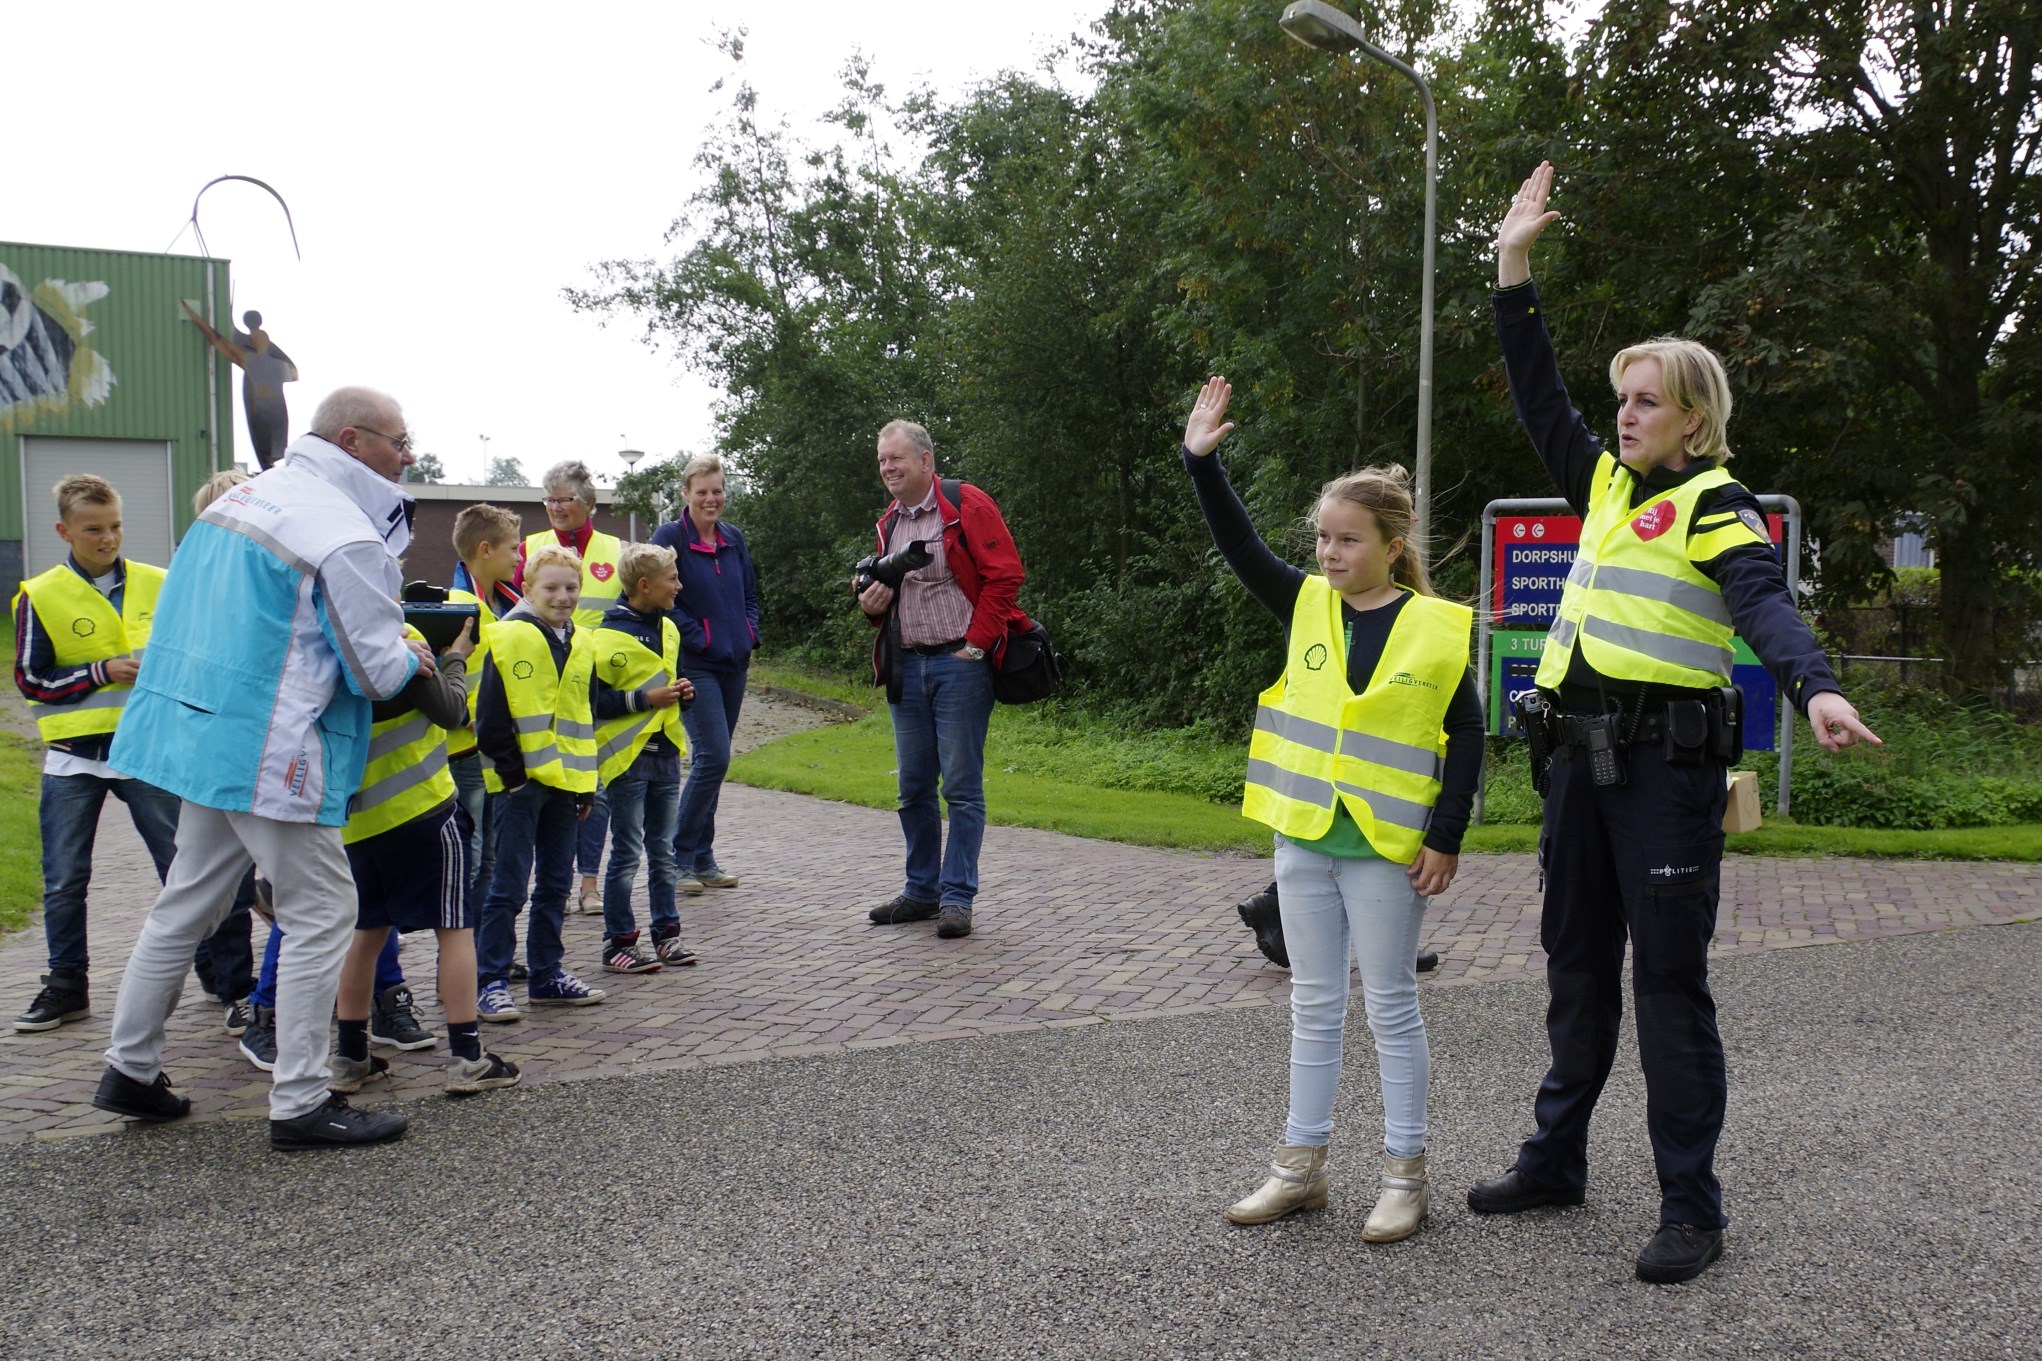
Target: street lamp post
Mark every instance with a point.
(1319, 25)
(485, 458)
(631, 457)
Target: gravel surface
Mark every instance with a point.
(1058, 1194)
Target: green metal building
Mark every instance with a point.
(101, 372)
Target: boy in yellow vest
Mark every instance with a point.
(79, 631)
(638, 696)
(486, 538)
(538, 736)
(407, 843)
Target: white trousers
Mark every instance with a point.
(315, 905)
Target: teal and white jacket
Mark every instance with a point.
(276, 628)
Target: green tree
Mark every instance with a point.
(427, 470)
(506, 472)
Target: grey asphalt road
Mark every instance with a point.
(1059, 1194)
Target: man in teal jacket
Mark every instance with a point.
(277, 627)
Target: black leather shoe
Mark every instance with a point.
(153, 1102)
(1513, 1192)
(1679, 1252)
(901, 909)
(1428, 960)
(954, 921)
(1261, 915)
(63, 999)
(335, 1125)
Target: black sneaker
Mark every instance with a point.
(519, 973)
(393, 1021)
(465, 1077)
(259, 1041)
(1679, 1252)
(900, 910)
(152, 1102)
(347, 1075)
(335, 1125)
(1428, 960)
(953, 921)
(1261, 915)
(238, 1017)
(62, 1001)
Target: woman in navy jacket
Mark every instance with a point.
(718, 615)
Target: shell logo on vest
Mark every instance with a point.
(618, 661)
(601, 571)
(84, 628)
(522, 670)
(1315, 656)
(1655, 521)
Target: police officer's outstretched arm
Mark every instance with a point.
(1836, 722)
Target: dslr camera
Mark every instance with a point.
(891, 568)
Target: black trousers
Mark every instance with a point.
(1640, 860)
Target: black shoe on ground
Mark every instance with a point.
(518, 973)
(900, 910)
(152, 1102)
(259, 1042)
(953, 921)
(62, 1000)
(393, 1021)
(1428, 960)
(335, 1125)
(1679, 1252)
(238, 1017)
(1513, 1192)
(1261, 915)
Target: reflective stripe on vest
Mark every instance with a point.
(83, 627)
(549, 709)
(600, 587)
(407, 775)
(623, 663)
(1634, 602)
(1381, 752)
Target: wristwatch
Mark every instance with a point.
(977, 654)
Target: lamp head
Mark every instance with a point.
(1317, 24)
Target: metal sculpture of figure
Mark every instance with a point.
(265, 368)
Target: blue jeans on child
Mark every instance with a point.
(536, 828)
(70, 822)
(642, 814)
(594, 831)
(476, 801)
(1332, 908)
(710, 719)
(939, 730)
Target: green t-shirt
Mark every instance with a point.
(1343, 840)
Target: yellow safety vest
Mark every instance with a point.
(1635, 603)
(624, 663)
(1381, 752)
(461, 741)
(550, 709)
(600, 588)
(407, 775)
(83, 628)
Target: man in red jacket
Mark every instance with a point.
(940, 635)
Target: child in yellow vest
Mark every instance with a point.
(536, 731)
(486, 539)
(638, 696)
(79, 632)
(407, 842)
(1365, 760)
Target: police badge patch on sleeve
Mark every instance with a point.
(1755, 522)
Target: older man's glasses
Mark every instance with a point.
(402, 443)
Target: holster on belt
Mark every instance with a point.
(1539, 722)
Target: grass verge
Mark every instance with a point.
(21, 868)
(1165, 789)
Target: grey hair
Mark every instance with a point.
(356, 406)
(911, 432)
(574, 475)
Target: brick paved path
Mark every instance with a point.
(1069, 932)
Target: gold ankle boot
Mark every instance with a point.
(1401, 1207)
(1297, 1181)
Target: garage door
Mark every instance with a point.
(138, 469)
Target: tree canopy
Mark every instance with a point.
(1841, 197)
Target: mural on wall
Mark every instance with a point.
(47, 363)
(265, 368)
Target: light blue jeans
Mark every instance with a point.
(1330, 907)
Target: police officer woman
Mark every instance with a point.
(1365, 759)
(1674, 558)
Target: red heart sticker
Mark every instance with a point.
(603, 571)
(1655, 521)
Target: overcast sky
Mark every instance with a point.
(450, 167)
